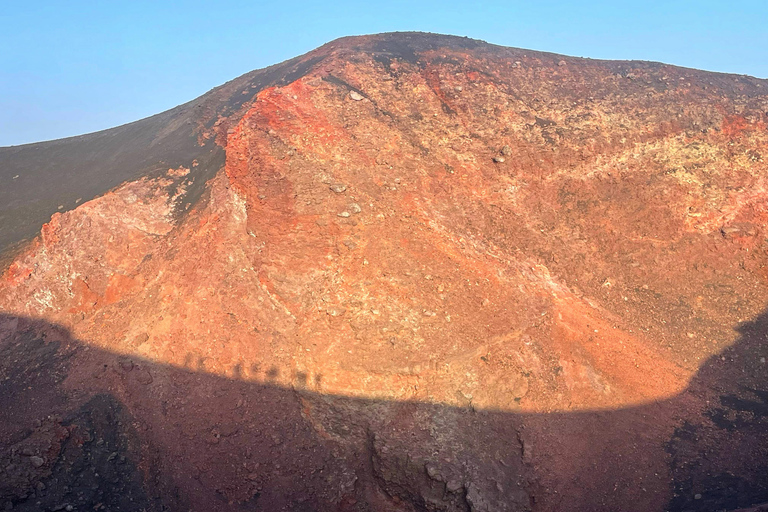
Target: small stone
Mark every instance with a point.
(69, 508)
(40, 486)
(335, 311)
(697, 497)
(355, 95)
(262, 196)
(36, 461)
(61, 207)
(499, 159)
(762, 360)
(355, 208)
(338, 188)
(343, 214)
(15, 177)
(561, 63)
(506, 150)
(458, 88)
(453, 486)
(144, 377)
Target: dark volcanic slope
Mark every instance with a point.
(427, 273)
(37, 180)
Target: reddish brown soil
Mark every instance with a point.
(433, 274)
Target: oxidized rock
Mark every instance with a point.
(580, 305)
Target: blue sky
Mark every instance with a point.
(74, 67)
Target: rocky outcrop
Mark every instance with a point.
(429, 274)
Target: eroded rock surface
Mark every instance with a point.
(431, 274)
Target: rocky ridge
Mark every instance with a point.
(429, 274)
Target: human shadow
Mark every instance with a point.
(86, 429)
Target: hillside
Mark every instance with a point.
(401, 272)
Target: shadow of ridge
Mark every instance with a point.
(89, 429)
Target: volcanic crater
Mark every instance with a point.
(402, 272)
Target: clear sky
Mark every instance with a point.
(72, 67)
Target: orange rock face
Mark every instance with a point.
(433, 274)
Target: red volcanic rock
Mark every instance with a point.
(431, 274)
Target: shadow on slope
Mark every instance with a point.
(93, 430)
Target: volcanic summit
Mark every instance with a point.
(402, 272)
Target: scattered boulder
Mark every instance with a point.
(354, 95)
